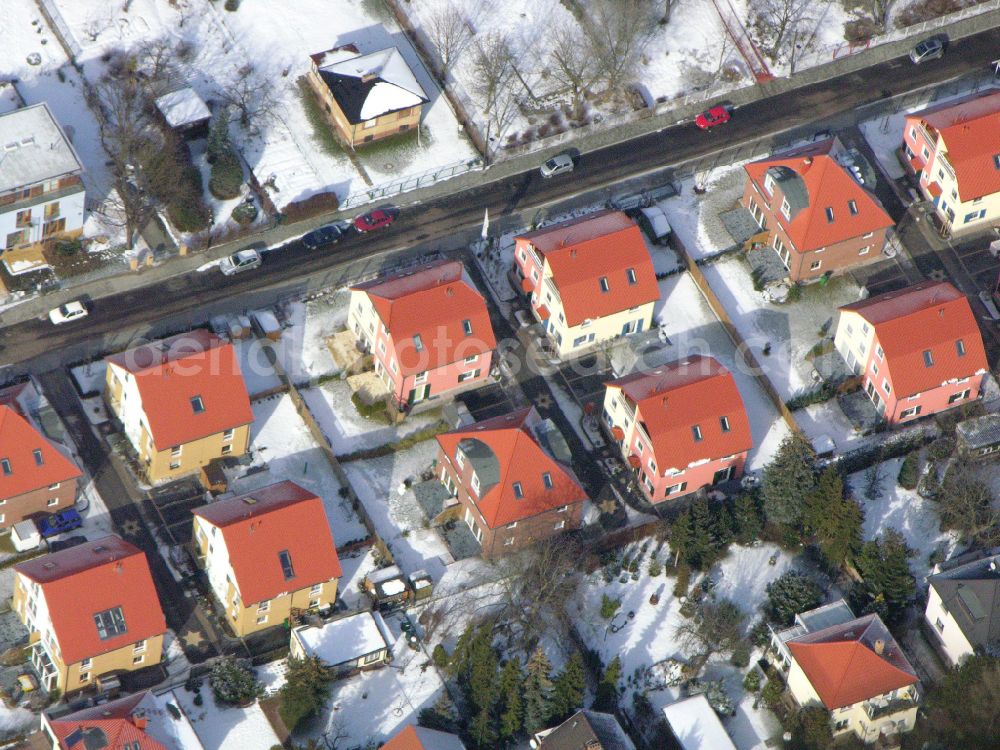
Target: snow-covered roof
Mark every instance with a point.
(696, 726)
(343, 640)
(33, 148)
(183, 107)
(366, 86)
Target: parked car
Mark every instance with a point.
(68, 313)
(717, 115)
(241, 260)
(558, 164)
(929, 49)
(58, 523)
(325, 235)
(377, 219)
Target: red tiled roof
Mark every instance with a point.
(171, 372)
(508, 441)
(581, 251)
(826, 185)
(926, 316)
(93, 577)
(968, 128)
(421, 738)
(18, 443)
(115, 719)
(259, 525)
(432, 302)
(843, 666)
(672, 399)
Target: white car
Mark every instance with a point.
(68, 313)
(241, 260)
(558, 164)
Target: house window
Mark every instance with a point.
(316, 590)
(630, 275)
(886, 386)
(421, 377)
(547, 480)
(674, 489)
(459, 457)
(786, 208)
(829, 215)
(852, 206)
(605, 287)
(52, 501)
(313, 603)
(197, 405)
(559, 525)
(264, 606)
(139, 646)
(769, 183)
(372, 658)
(960, 396)
(913, 133)
(518, 490)
(874, 368)
(226, 450)
(928, 358)
(974, 216)
(512, 525)
(508, 542)
(51, 487)
(381, 347)
(522, 255)
(468, 375)
(639, 447)
(865, 250)
(84, 676)
(475, 483)
(85, 664)
(696, 431)
(960, 347)
(467, 327)
(996, 161)
(579, 341)
(724, 423)
(562, 509)
(418, 342)
(392, 366)
(23, 218)
(110, 623)
(16, 238)
(286, 564)
(175, 451)
(911, 412)
(469, 360)
(880, 352)
(652, 465)
(174, 465)
(228, 434)
(815, 265)
(262, 619)
(138, 659)
(368, 124)
(39, 459)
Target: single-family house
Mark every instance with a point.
(344, 646)
(413, 737)
(181, 402)
(952, 150)
(367, 97)
(584, 730)
(852, 667)
(918, 350)
(91, 610)
(963, 608)
(513, 478)
(269, 555)
(815, 208)
(696, 726)
(680, 427)
(36, 476)
(142, 721)
(41, 193)
(978, 438)
(428, 330)
(588, 280)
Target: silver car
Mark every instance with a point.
(558, 164)
(929, 49)
(241, 260)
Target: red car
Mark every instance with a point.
(377, 219)
(717, 115)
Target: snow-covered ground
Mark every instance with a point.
(282, 448)
(302, 349)
(396, 515)
(224, 727)
(14, 721)
(90, 377)
(692, 328)
(904, 510)
(258, 373)
(331, 406)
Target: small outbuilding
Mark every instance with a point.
(185, 112)
(352, 643)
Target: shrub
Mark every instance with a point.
(941, 448)
(909, 472)
(772, 692)
(751, 683)
(315, 205)
(305, 691)
(375, 412)
(440, 656)
(791, 594)
(69, 248)
(232, 5)
(609, 606)
(227, 177)
(245, 213)
(655, 568)
(233, 682)
(683, 578)
(741, 655)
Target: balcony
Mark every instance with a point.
(879, 708)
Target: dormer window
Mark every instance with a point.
(696, 431)
(960, 347)
(467, 327)
(630, 275)
(418, 342)
(518, 490)
(547, 480)
(829, 215)
(605, 287)
(852, 206)
(40, 460)
(928, 358)
(197, 405)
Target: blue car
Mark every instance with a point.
(57, 523)
(325, 235)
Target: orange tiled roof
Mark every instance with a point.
(968, 128)
(259, 525)
(581, 251)
(431, 302)
(29, 470)
(843, 665)
(825, 184)
(172, 372)
(672, 399)
(89, 578)
(421, 738)
(115, 720)
(512, 454)
(929, 316)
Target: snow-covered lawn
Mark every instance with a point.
(695, 219)
(355, 566)
(396, 515)
(258, 373)
(90, 377)
(693, 328)
(302, 349)
(331, 406)
(223, 727)
(904, 510)
(282, 448)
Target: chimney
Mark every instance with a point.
(665, 399)
(119, 567)
(807, 161)
(368, 77)
(879, 646)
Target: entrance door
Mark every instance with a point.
(723, 475)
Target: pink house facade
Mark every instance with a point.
(680, 427)
(918, 350)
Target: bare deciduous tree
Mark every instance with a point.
(717, 627)
(572, 64)
(777, 20)
(668, 10)
(494, 75)
(880, 10)
(157, 62)
(619, 31)
(449, 32)
(252, 97)
(98, 22)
